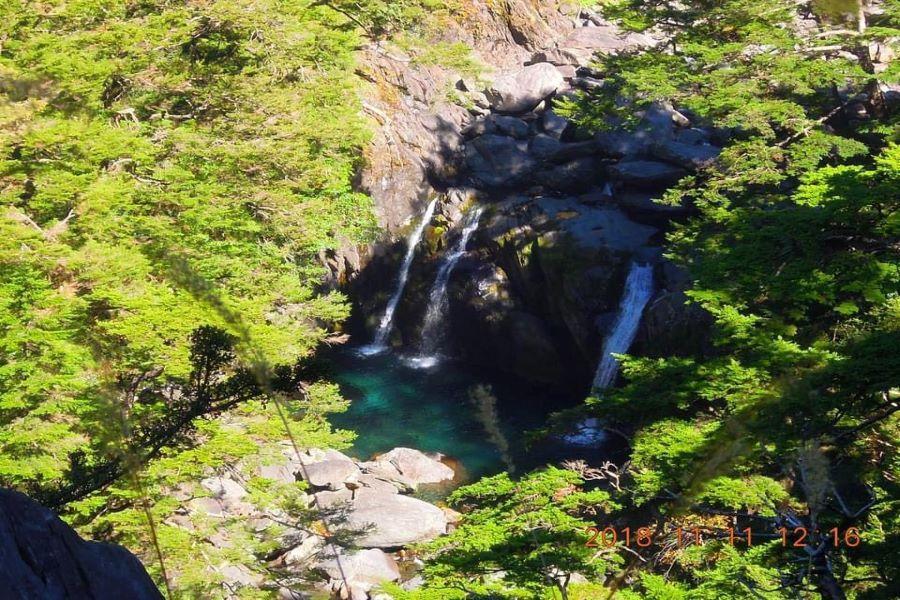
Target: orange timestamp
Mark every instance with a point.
(644, 537)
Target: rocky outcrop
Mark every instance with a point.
(42, 557)
(567, 210)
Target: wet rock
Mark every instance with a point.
(646, 173)
(522, 90)
(44, 558)
(576, 176)
(499, 161)
(689, 156)
(392, 520)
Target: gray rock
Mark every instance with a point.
(555, 56)
(567, 71)
(522, 90)
(228, 491)
(329, 499)
(576, 176)
(588, 84)
(362, 569)
(619, 144)
(646, 173)
(511, 126)
(498, 161)
(689, 156)
(42, 557)
(282, 473)
(543, 146)
(302, 553)
(498, 124)
(693, 135)
(378, 484)
(553, 124)
(392, 520)
(643, 202)
(331, 474)
(417, 467)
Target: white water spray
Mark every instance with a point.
(379, 344)
(437, 297)
(638, 290)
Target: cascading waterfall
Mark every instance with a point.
(379, 344)
(638, 290)
(437, 297)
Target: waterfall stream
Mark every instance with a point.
(437, 298)
(379, 344)
(638, 290)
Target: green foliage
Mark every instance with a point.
(519, 539)
(793, 252)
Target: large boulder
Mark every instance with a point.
(388, 520)
(42, 557)
(646, 174)
(361, 570)
(522, 90)
(415, 467)
(328, 469)
(498, 161)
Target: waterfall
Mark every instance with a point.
(437, 297)
(638, 290)
(379, 344)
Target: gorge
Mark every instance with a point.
(417, 300)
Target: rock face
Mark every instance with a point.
(42, 557)
(522, 90)
(567, 211)
(363, 570)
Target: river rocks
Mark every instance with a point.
(392, 520)
(42, 557)
(413, 467)
(523, 90)
(646, 173)
(329, 469)
(362, 570)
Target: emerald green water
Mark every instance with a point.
(476, 418)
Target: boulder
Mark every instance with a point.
(576, 176)
(619, 144)
(282, 473)
(499, 161)
(302, 553)
(689, 156)
(523, 90)
(543, 146)
(646, 173)
(42, 557)
(362, 570)
(391, 520)
(417, 467)
(328, 469)
(498, 124)
(553, 124)
(226, 490)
